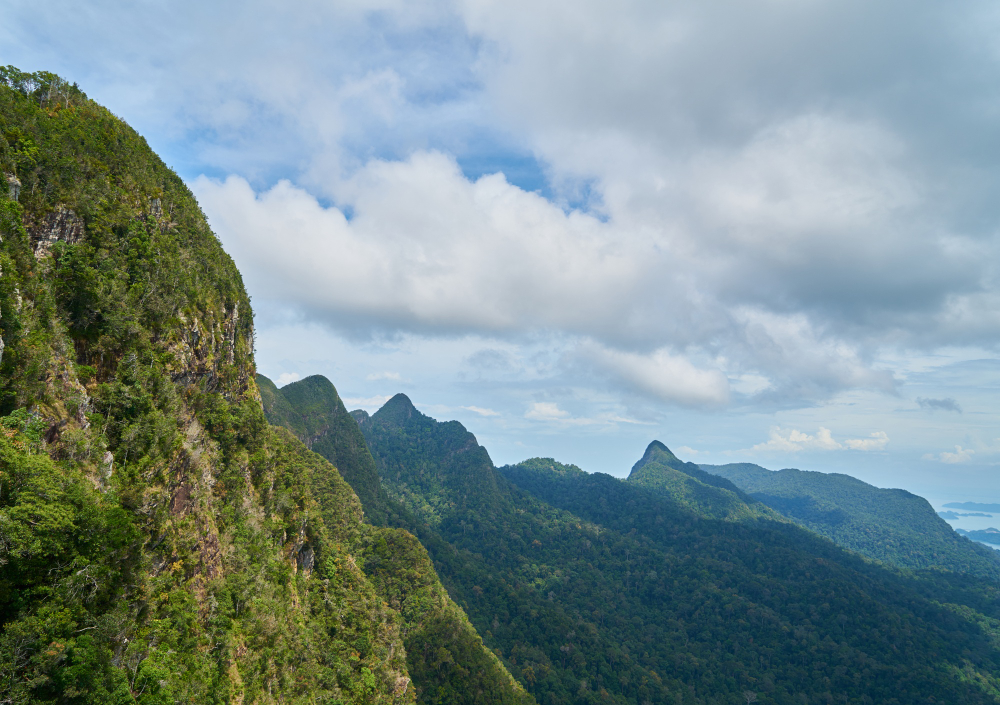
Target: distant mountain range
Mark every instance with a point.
(990, 536)
(674, 585)
(958, 515)
(974, 506)
(892, 526)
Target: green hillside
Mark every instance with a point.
(691, 487)
(312, 410)
(892, 526)
(990, 536)
(159, 541)
(444, 653)
(593, 589)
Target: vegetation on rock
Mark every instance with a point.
(159, 542)
(313, 411)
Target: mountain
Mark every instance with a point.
(691, 487)
(990, 536)
(313, 411)
(445, 655)
(594, 589)
(892, 526)
(160, 542)
(980, 506)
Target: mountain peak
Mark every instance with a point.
(659, 453)
(313, 381)
(397, 411)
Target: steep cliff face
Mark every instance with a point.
(159, 541)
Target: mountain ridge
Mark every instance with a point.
(662, 471)
(628, 552)
(445, 654)
(889, 525)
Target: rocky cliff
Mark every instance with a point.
(159, 541)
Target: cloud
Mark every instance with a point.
(546, 411)
(878, 441)
(481, 411)
(947, 404)
(735, 192)
(662, 375)
(376, 376)
(793, 441)
(961, 455)
(372, 403)
(551, 413)
(287, 378)
(431, 252)
(428, 251)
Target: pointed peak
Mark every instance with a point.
(655, 446)
(312, 382)
(400, 401)
(265, 382)
(314, 396)
(657, 452)
(397, 411)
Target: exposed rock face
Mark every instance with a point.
(61, 225)
(14, 186)
(205, 345)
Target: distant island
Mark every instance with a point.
(949, 515)
(974, 506)
(991, 535)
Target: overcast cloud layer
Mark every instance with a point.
(739, 208)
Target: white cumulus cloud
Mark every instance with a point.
(877, 441)
(793, 440)
(961, 455)
(287, 378)
(371, 404)
(481, 411)
(546, 411)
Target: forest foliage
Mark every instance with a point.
(445, 655)
(889, 525)
(594, 589)
(160, 542)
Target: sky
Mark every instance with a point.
(758, 231)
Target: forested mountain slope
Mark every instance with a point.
(159, 541)
(598, 590)
(893, 526)
(990, 536)
(445, 655)
(312, 410)
(691, 487)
